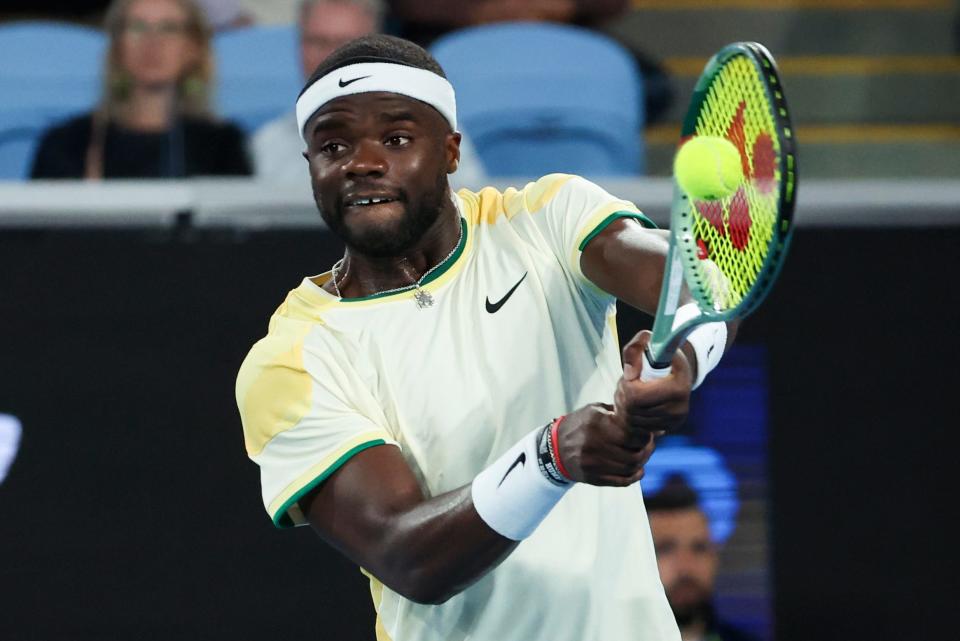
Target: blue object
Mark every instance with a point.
(538, 98)
(704, 470)
(48, 72)
(258, 73)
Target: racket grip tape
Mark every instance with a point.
(651, 373)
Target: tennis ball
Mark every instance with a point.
(708, 168)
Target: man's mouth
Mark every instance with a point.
(366, 202)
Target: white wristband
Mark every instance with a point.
(708, 341)
(512, 495)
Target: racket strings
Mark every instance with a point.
(736, 233)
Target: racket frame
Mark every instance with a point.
(682, 256)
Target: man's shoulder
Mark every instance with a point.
(489, 204)
(299, 315)
(297, 348)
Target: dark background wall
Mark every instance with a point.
(133, 513)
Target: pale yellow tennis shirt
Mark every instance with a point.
(516, 337)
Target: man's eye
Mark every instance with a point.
(331, 148)
(397, 140)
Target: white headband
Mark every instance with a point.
(364, 77)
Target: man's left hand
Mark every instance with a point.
(655, 406)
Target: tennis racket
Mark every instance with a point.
(728, 251)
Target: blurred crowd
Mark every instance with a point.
(154, 116)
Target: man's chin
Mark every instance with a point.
(380, 215)
(381, 240)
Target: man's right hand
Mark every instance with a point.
(597, 447)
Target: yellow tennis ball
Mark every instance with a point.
(708, 168)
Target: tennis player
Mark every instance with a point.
(446, 406)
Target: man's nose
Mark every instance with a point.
(367, 159)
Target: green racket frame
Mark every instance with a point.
(682, 257)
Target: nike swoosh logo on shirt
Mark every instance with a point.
(520, 461)
(493, 308)
(344, 83)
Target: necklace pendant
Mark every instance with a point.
(423, 298)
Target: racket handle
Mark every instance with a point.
(651, 373)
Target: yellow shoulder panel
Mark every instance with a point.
(488, 204)
(273, 388)
(483, 206)
(536, 195)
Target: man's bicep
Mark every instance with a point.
(353, 508)
(627, 261)
(571, 212)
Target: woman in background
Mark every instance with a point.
(154, 119)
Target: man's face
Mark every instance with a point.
(326, 26)
(378, 165)
(687, 559)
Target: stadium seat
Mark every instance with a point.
(538, 98)
(258, 72)
(48, 72)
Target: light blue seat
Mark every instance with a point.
(48, 72)
(20, 134)
(538, 98)
(258, 73)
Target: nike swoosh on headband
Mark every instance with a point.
(344, 83)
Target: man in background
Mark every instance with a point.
(324, 26)
(687, 558)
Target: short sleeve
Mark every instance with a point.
(300, 420)
(570, 211)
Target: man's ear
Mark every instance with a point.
(452, 144)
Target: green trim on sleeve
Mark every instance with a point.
(646, 222)
(282, 520)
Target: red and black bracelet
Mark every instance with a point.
(555, 447)
(548, 454)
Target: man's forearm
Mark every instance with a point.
(438, 548)
(425, 549)
(628, 262)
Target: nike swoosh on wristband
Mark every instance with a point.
(344, 83)
(520, 461)
(493, 308)
(712, 345)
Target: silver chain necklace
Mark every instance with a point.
(422, 297)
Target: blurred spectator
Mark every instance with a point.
(222, 15)
(423, 21)
(272, 11)
(325, 25)
(688, 558)
(154, 118)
